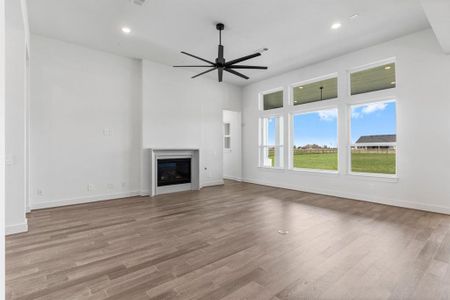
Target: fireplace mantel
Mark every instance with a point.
(167, 153)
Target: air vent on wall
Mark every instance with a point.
(139, 2)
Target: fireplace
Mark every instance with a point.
(172, 171)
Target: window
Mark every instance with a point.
(314, 138)
(373, 79)
(226, 136)
(272, 100)
(315, 91)
(271, 142)
(374, 138)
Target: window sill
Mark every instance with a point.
(375, 176)
(272, 168)
(314, 171)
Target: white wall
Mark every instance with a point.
(423, 102)
(2, 149)
(85, 124)
(16, 43)
(180, 112)
(232, 158)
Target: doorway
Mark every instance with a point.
(232, 145)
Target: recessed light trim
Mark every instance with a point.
(126, 30)
(336, 25)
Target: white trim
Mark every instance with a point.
(212, 183)
(351, 196)
(232, 178)
(16, 228)
(82, 200)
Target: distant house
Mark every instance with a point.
(381, 141)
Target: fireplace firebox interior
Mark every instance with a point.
(174, 171)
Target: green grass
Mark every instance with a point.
(320, 161)
(382, 163)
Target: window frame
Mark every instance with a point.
(349, 141)
(296, 112)
(391, 60)
(292, 86)
(343, 104)
(281, 145)
(225, 136)
(261, 100)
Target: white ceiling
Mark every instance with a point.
(297, 32)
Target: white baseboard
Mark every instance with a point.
(367, 198)
(16, 228)
(144, 193)
(81, 200)
(212, 183)
(232, 178)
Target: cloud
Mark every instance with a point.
(373, 107)
(328, 115)
(359, 112)
(355, 114)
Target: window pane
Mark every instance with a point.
(373, 137)
(271, 131)
(315, 140)
(226, 128)
(373, 79)
(316, 91)
(273, 100)
(272, 157)
(227, 142)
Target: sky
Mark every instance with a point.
(372, 119)
(321, 127)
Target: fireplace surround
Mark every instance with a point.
(174, 170)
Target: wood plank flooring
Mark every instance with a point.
(223, 243)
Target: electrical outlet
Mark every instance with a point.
(90, 187)
(39, 192)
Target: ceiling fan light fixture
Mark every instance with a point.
(221, 64)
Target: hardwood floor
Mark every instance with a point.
(223, 243)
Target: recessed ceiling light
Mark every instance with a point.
(392, 82)
(336, 25)
(387, 67)
(353, 17)
(126, 30)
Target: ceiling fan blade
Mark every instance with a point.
(247, 67)
(236, 73)
(208, 66)
(202, 59)
(212, 69)
(220, 74)
(238, 60)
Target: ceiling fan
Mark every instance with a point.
(221, 64)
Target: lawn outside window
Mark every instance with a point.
(314, 137)
(373, 139)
